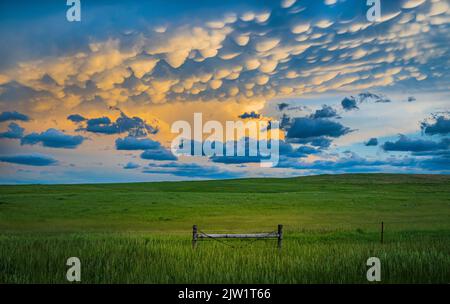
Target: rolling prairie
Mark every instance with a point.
(141, 232)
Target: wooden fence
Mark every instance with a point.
(197, 234)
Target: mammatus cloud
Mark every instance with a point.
(278, 51)
(259, 53)
(34, 159)
(53, 138)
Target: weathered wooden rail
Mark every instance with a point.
(196, 235)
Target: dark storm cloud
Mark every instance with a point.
(439, 162)
(440, 124)
(76, 118)
(236, 159)
(320, 141)
(406, 144)
(101, 125)
(190, 170)
(133, 143)
(135, 126)
(349, 104)
(282, 106)
(349, 162)
(372, 142)
(54, 139)
(158, 154)
(302, 128)
(251, 115)
(372, 97)
(304, 151)
(325, 112)
(14, 131)
(131, 165)
(153, 149)
(5, 116)
(286, 150)
(34, 159)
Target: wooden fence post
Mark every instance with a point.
(382, 232)
(280, 235)
(194, 236)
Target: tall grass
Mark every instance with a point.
(305, 258)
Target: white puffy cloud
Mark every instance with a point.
(412, 3)
(324, 23)
(262, 17)
(287, 3)
(248, 16)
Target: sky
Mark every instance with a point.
(94, 101)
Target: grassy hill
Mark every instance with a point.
(140, 232)
(305, 203)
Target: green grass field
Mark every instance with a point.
(141, 233)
